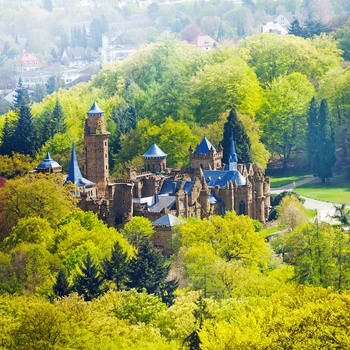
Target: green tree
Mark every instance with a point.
(296, 29)
(326, 147)
(138, 307)
(39, 93)
(61, 288)
(312, 135)
(116, 268)
(7, 145)
(226, 85)
(24, 137)
(22, 96)
(59, 125)
(54, 83)
(98, 26)
(283, 115)
(290, 212)
(234, 126)
(148, 270)
(89, 282)
(35, 195)
(201, 313)
(310, 251)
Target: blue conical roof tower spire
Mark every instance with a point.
(74, 173)
(233, 159)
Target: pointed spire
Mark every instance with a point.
(95, 110)
(74, 173)
(233, 159)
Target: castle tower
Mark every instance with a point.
(96, 146)
(154, 159)
(205, 156)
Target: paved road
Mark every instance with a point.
(325, 210)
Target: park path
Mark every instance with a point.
(325, 210)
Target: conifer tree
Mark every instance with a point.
(22, 96)
(148, 270)
(24, 138)
(242, 141)
(61, 288)
(59, 125)
(89, 282)
(326, 147)
(312, 135)
(115, 268)
(7, 144)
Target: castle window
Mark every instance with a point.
(241, 208)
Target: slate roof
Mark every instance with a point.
(95, 109)
(168, 220)
(188, 187)
(221, 177)
(154, 152)
(170, 187)
(74, 174)
(163, 202)
(204, 147)
(48, 163)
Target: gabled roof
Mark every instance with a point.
(48, 163)
(168, 220)
(221, 177)
(27, 57)
(74, 174)
(95, 109)
(154, 152)
(75, 53)
(204, 147)
(203, 41)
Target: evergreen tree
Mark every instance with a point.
(24, 138)
(39, 93)
(200, 314)
(242, 141)
(53, 84)
(148, 270)
(84, 39)
(7, 145)
(312, 135)
(22, 96)
(98, 26)
(59, 125)
(115, 268)
(326, 147)
(61, 288)
(89, 282)
(297, 30)
(46, 130)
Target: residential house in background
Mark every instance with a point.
(28, 62)
(204, 42)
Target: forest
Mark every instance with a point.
(67, 281)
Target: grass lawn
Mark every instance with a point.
(282, 177)
(335, 192)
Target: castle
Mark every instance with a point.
(206, 188)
